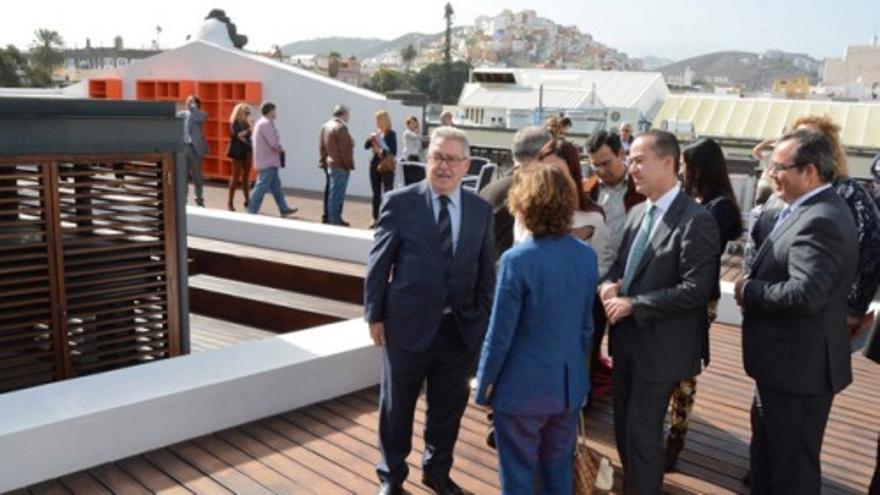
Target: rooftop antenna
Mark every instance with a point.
(156, 41)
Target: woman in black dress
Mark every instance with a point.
(240, 151)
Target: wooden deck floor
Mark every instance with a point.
(330, 448)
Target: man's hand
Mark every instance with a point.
(618, 308)
(859, 324)
(609, 290)
(738, 290)
(377, 333)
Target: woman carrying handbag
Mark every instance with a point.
(383, 143)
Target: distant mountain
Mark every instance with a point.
(754, 72)
(652, 63)
(359, 47)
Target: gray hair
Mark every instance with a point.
(340, 110)
(527, 143)
(448, 132)
(813, 147)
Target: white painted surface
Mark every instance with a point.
(728, 311)
(54, 429)
(316, 239)
(305, 101)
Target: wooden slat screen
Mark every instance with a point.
(116, 297)
(27, 332)
(87, 267)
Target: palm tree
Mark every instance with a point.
(46, 49)
(408, 54)
(447, 45)
(333, 64)
(447, 55)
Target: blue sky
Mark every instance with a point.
(672, 29)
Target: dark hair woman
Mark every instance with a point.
(705, 178)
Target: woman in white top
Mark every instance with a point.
(588, 223)
(412, 140)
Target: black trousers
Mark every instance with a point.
(639, 409)
(445, 367)
(381, 183)
(787, 435)
(326, 192)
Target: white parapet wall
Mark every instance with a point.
(728, 311)
(63, 427)
(329, 241)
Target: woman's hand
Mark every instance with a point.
(584, 233)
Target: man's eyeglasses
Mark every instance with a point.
(447, 159)
(780, 167)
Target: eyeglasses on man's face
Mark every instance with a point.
(781, 167)
(450, 160)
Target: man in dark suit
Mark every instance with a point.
(872, 352)
(527, 143)
(795, 339)
(655, 297)
(428, 293)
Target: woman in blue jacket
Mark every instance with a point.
(533, 371)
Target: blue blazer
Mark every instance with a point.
(406, 286)
(534, 358)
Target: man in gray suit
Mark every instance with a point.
(795, 339)
(196, 147)
(656, 298)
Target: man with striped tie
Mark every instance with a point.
(427, 296)
(655, 296)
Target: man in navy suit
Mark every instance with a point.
(427, 296)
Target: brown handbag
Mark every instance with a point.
(387, 164)
(586, 466)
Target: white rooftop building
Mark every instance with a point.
(524, 93)
(304, 99)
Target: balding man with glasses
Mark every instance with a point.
(795, 338)
(428, 293)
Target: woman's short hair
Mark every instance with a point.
(824, 124)
(411, 118)
(544, 197)
(385, 119)
(239, 113)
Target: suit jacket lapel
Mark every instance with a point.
(667, 222)
(787, 224)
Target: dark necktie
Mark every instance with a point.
(444, 229)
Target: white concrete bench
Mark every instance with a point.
(316, 239)
(54, 429)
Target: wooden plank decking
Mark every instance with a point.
(331, 447)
